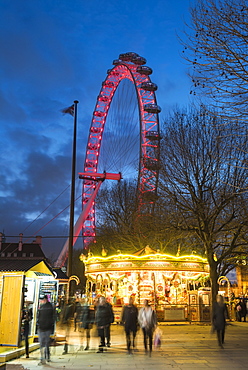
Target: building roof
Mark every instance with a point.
(26, 250)
(24, 256)
(61, 275)
(11, 264)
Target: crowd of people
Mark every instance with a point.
(101, 314)
(79, 315)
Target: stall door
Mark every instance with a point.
(10, 311)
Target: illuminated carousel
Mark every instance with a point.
(166, 281)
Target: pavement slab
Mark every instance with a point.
(184, 347)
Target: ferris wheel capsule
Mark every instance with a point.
(153, 135)
(127, 57)
(152, 108)
(139, 60)
(149, 86)
(144, 70)
(116, 62)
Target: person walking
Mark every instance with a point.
(27, 317)
(238, 308)
(130, 321)
(148, 321)
(87, 320)
(243, 310)
(77, 313)
(107, 328)
(45, 321)
(68, 314)
(220, 313)
(104, 317)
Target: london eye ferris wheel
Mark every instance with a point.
(124, 135)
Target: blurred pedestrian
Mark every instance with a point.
(27, 317)
(67, 315)
(220, 313)
(104, 317)
(87, 320)
(107, 328)
(148, 321)
(241, 310)
(57, 312)
(238, 309)
(45, 321)
(77, 313)
(130, 321)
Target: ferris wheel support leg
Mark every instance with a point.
(85, 212)
(78, 226)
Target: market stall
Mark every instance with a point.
(21, 284)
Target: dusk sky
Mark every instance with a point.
(52, 53)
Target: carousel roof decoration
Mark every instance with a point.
(146, 258)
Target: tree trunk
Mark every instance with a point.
(213, 279)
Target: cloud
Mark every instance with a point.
(53, 52)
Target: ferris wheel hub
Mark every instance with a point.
(100, 176)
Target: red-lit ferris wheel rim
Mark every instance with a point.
(129, 66)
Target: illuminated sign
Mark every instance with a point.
(157, 264)
(121, 264)
(190, 265)
(95, 266)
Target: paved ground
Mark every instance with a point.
(183, 347)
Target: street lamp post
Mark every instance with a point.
(224, 278)
(73, 171)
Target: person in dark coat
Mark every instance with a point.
(45, 321)
(130, 321)
(220, 313)
(27, 317)
(243, 309)
(238, 309)
(87, 320)
(104, 317)
(107, 328)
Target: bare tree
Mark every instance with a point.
(217, 46)
(116, 205)
(121, 227)
(117, 218)
(204, 183)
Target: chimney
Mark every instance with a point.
(20, 242)
(1, 239)
(38, 240)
